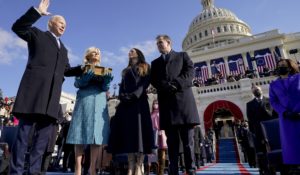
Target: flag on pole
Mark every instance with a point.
(221, 69)
(266, 60)
(236, 67)
(201, 74)
(204, 72)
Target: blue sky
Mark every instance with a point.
(115, 26)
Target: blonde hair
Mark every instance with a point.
(143, 69)
(88, 52)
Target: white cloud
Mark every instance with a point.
(121, 58)
(11, 47)
(73, 58)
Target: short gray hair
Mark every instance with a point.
(53, 18)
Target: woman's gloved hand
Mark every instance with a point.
(86, 77)
(107, 78)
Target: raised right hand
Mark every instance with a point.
(43, 7)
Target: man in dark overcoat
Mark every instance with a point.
(37, 102)
(172, 74)
(258, 110)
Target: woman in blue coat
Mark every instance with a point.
(285, 99)
(90, 120)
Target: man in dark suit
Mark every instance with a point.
(258, 110)
(37, 102)
(172, 74)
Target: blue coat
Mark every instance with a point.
(90, 120)
(285, 95)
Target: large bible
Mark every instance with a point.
(98, 70)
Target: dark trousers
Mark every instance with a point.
(251, 157)
(32, 134)
(69, 157)
(186, 134)
(198, 160)
(46, 162)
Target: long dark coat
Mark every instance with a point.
(179, 108)
(40, 88)
(256, 113)
(131, 127)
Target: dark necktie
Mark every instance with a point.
(166, 57)
(259, 101)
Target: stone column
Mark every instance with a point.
(226, 66)
(272, 49)
(244, 55)
(209, 68)
(254, 63)
(282, 51)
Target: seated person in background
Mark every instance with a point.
(231, 78)
(4, 159)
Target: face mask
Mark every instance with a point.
(283, 70)
(257, 93)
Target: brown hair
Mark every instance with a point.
(143, 67)
(164, 37)
(291, 64)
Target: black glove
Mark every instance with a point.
(175, 84)
(170, 87)
(291, 115)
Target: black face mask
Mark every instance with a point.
(256, 93)
(283, 70)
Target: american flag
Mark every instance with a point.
(236, 67)
(204, 72)
(201, 74)
(266, 60)
(219, 68)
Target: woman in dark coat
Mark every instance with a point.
(131, 129)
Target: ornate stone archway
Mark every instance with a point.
(211, 108)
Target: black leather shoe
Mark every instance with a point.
(191, 172)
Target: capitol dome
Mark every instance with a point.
(214, 27)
